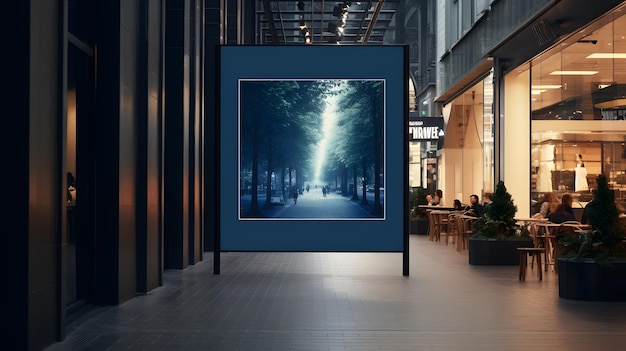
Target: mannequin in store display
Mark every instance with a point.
(580, 181)
(546, 167)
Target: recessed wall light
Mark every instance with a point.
(607, 55)
(573, 73)
(546, 86)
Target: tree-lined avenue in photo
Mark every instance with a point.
(311, 149)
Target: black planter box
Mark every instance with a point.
(589, 281)
(495, 252)
(418, 226)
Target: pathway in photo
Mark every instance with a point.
(315, 205)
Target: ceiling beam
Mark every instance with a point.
(270, 20)
(365, 12)
(370, 26)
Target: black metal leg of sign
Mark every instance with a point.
(216, 261)
(217, 246)
(405, 251)
(405, 255)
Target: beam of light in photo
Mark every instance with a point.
(329, 118)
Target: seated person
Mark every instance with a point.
(475, 209)
(438, 198)
(458, 206)
(429, 200)
(563, 212)
(549, 205)
(487, 199)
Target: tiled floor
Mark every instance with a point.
(343, 301)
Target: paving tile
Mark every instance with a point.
(351, 301)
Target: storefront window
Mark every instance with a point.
(488, 134)
(466, 162)
(425, 137)
(578, 111)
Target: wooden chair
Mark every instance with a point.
(439, 221)
(431, 226)
(523, 260)
(452, 229)
(464, 227)
(539, 241)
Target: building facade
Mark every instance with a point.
(526, 87)
(110, 153)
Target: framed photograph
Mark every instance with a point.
(313, 148)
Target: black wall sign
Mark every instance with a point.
(425, 128)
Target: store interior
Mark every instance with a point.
(578, 112)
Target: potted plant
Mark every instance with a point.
(592, 264)
(496, 235)
(418, 223)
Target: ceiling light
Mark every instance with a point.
(611, 104)
(302, 24)
(537, 92)
(607, 55)
(301, 5)
(573, 73)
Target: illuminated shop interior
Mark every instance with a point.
(578, 107)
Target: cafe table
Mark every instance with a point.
(437, 207)
(531, 219)
(549, 236)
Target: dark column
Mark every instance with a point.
(115, 151)
(128, 150)
(30, 149)
(176, 134)
(195, 139)
(231, 34)
(149, 149)
(248, 21)
(212, 38)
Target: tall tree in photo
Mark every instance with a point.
(263, 103)
(359, 133)
(279, 128)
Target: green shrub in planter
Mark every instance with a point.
(418, 218)
(496, 235)
(592, 264)
(498, 221)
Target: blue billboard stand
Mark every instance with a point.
(309, 149)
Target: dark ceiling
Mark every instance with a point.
(344, 22)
